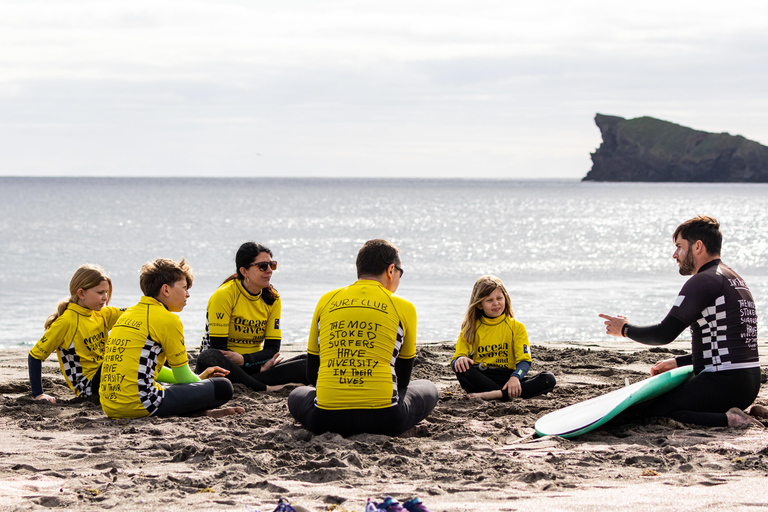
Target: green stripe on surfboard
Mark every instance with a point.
(582, 417)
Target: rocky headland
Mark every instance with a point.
(648, 149)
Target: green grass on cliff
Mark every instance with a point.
(675, 141)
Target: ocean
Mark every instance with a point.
(566, 250)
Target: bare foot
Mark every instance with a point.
(277, 387)
(485, 395)
(739, 419)
(224, 411)
(759, 411)
(414, 431)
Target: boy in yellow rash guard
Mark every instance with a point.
(242, 329)
(77, 331)
(360, 355)
(143, 339)
(493, 354)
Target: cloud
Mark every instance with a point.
(342, 88)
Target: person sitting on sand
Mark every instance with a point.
(718, 306)
(143, 339)
(362, 345)
(76, 331)
(242, 328)
(493, 355)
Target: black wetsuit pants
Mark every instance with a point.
(704, 398)
(292, 370)
(95, 383)
(476, 380)
(415, 403)
(182, 399)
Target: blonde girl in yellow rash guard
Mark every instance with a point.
(242, 329)
(493, 355)
(77, 331)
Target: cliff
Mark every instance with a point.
(648, 149)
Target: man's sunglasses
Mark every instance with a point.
(264, 265)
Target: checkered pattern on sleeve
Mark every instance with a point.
(73, 371)
(206, 343)
(714, 327)
(395, 353)
(151, 397)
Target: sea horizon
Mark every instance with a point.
(565, 249)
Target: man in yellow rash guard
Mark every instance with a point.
(78, 338)
(361, 349)
(143, 339)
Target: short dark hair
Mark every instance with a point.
(375, 257)
(154, 274)
(703, 228)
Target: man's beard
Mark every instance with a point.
(687, 264)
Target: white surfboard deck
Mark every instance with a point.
(582, 417)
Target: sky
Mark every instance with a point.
(418, 88)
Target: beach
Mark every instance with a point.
(471, 456)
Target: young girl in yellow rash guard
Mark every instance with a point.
(242, 329)
(493, 355)
(76, 331)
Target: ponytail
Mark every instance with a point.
(85, 277)
(60, 309)
(269, 295)
(230, 278)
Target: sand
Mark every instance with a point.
(472, 455)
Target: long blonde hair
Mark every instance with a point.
(484, 286)
(85, 277)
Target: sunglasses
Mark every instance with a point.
(401, 270)
(264, 265)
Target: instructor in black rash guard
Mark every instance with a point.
(718, 306)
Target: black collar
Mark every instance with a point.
(709, 265)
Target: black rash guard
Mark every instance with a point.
(718, 306)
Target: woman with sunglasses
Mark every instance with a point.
(242, 328)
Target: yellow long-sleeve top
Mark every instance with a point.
(358, 332)
(78, 338)
(501, 342)
(242, 317)
(143, 339)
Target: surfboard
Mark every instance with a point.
(582, 417)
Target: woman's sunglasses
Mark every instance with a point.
(264, 265)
